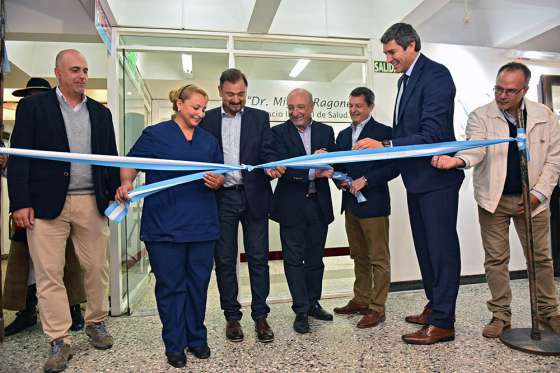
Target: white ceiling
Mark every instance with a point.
(510, 24)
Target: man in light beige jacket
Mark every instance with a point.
(497, 189)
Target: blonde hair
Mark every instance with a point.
(184, 93)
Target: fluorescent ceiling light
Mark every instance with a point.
(536, 55)
(187, 63)
(298, 68)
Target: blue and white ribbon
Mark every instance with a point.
(138, 163)
(117, 212)
(522, 142)
(341, 176)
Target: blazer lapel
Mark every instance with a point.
(315, 138)
(411, 84)
(93, 122)
(346, 139)
(58, 120)
(245, 131)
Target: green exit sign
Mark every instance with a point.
(383, 67)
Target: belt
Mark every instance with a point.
(311, 195)
(234, 187)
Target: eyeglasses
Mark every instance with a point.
(508, 92)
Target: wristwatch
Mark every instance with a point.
(387, 143)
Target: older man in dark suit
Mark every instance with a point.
(424, 115)
(55, 201)
(303, 229)
(245, 137)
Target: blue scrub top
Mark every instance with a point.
(186, 212)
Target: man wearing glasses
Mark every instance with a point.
(497, 188)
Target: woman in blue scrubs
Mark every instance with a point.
(180, 224)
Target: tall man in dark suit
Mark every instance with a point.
(424, 115)
(367, 222)
(302, 206)
(58, 200)
(245, 137)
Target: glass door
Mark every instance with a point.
(135, 115)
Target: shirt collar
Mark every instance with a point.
(307, 128)
(361, 124)
(510, 117)
(409, 71)
(228, 115)
(61, 96)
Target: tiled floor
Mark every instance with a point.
(336, 346)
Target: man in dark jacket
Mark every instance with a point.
(20, 290)
(303, 207)
(58, 200)
(367, 222)
(245, 138)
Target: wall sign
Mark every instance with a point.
(383, 67)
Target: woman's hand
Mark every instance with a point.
(121, 196)
(214, 181)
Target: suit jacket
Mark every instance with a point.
(426, 116)
(377, 173)
(255, 148)
(293, 186)
(43, 184)
(490, 163)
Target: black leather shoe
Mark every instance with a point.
(201, 352)
(301, 323)
(176, 359)
(264, 332)
(77, 318)
(24, 319)
(319, 313)
(233, 331)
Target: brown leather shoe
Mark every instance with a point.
(233, 331)
(264, 332)
(495, 327)
(429, 334)
(551, 323)
(371, 319)
(352, 308)
(421, 319)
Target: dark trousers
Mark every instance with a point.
(303, 246)
(433, 219)
(233, 209)
(182, 272)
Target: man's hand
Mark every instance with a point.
(3, 161)
(367, 143)
(275, 172)
(121, 195)
(324, 173)
(445, 162)
(213, 181)
(534, 202)
(358, 185)
(24, 218)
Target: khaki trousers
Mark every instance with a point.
(17, 272)
(495, 240)
(80, 220)
(369, 247)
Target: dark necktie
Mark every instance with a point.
(401, 87)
